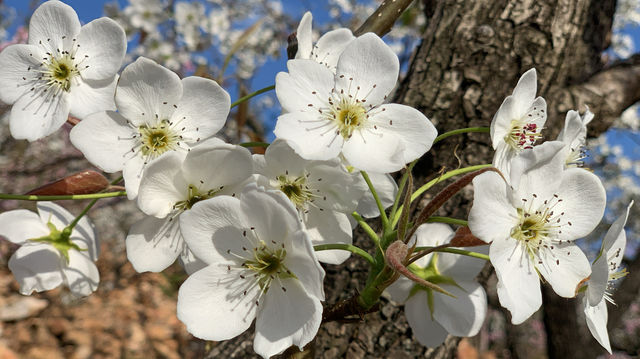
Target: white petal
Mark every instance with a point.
(518, 283)
(428, 332)
(303, 134)
(57, 215)
(501, 122)
(462, 267)
(216, 218)
(461, 316)
(597, 317)
(432, 234)
(564, 267)
(386, 188)
(538, 170)
(400, 289)
(153, 244)
(301, 260)
(598, 281)
(583, 202)
(213, 167)
(330, 46)
(491, 216)
(54, 24)
(190, 262)
(211, 297)
(375, 151)
(103, 44)
(304, 36)
(37, 267)
(15, 60)
(280, 158)
(87, 97)
(147, 90)
(414, 129)
(370, 64)
(340, 190)
(105, 139)
(33, 116)
(574, 131)
(132, 174)
(615, 240)
(204, 106)
(163, 185)
(20, 225)
(81, 274)
(286, 318)
(525, 90)
(307, 82)
(326, 227)
(83, 234)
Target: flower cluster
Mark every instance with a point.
(251, 230)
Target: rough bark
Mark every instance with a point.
(471, 56)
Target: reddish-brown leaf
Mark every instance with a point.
(79, 183)
(464, 238)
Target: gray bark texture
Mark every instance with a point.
(470, 57)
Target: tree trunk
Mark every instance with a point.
(471, 56)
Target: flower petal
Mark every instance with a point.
(37, 267)
(214, 167)
(147, 90)
(53, 24)
(301, 260)
(597, 317)
(564, 267)
(20, 225)
(330, 46)
(518, 283)
(103, 45)
(304, 35)
(375, 151)
(583, 202)
(153, 244)
(210, 297)
(413, 128)
(286, 318)
(16, 63)
(386, 189)
(370, 65)
(104, 138)
(34, 116)
(306, 83)
(87, 97)
(428, 332)
(525, 91)
(163, 185)
(461, 316)
(307, 138)
(204, 106)
(491, 216)
(81, 274)
(325, 227)
(598, 281)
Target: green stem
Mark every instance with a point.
(366, 227)
(245, 98)
(31, 197)
(383, 214)
(403, 182)
(459, 131)
(433, 182)
(449, 220)
(255, 144)
(456, 251)
(345, 247)
(84, 211)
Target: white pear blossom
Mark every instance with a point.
(261, 266)
(327, 49)
(157, 113)
(574, 135)
(323, 192)
(49, 256)
(171, 186)
(518, 123)
(532, 222)
(146, 14)
(65, 68)
(604, 272)
(432, 315)
(326, 114)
